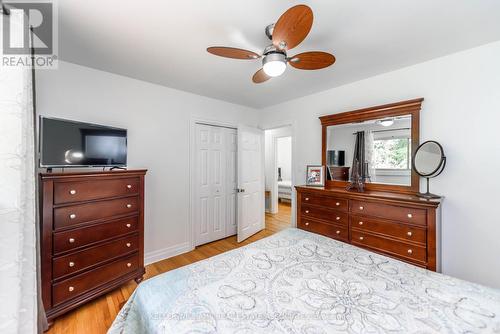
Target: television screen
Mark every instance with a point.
(65, 143)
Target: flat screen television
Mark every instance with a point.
(65, 143)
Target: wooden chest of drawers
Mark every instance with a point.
(339, 173)
(398, 225)
(92, 235)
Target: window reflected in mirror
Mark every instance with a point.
(378, 150)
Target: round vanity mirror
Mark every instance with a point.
(429, 161)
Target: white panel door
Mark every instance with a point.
(250, 216)
(210, 184)
(232, 181)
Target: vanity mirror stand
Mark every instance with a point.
(387, 217)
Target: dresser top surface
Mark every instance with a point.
(370, 194)
(93, 173)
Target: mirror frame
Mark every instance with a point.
(410, 107)
(439, 169)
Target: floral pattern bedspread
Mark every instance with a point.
(300, 282)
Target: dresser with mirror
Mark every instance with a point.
(374, 145)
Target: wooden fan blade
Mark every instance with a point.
(260, 76)
(292, 27)
(313, 60)
(234, 53)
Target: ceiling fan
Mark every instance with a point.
(289, 31)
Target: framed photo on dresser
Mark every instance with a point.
(315, 175)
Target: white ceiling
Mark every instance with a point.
(164, 42)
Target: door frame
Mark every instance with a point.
(191, 237)
(293, 126)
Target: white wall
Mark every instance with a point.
(462, 111)
(158, 122)
(284, 157)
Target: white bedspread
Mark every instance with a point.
(300, 282)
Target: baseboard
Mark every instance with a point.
(165, 253)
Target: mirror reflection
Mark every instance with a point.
(428, 158)
(378, 150)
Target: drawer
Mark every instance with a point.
(84, 259)
(81, 213)
(68, 192)
(326, 201)
(329, 230)
(70, 288)
(404, 214)
(388, 246)
(396, 230)
(68, 240)
(331, 216)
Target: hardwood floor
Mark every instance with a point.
(97, 316)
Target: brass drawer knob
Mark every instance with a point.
(361, 238)
(307, 198)
(409, 233)
(128, 225)
(360, 223)
(129, 264)
(71, 289)
(410, 251)
(72, 191)
(337, 218)
(361, 208)
(307, 224)
(129, 244)
(337, 204)
(72, 216)
(307, 211)
(71, 240)
(338, 232)
(129, 206)
(410, 215)
(129, 186)
(71, 264)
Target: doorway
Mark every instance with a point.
(279, 186)
(227, 182)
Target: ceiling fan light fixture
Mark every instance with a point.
(386, 122)
(274, 64)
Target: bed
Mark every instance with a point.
(299, 282)
(285, 190)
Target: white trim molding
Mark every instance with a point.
(165, 253)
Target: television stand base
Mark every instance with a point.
(116, 167)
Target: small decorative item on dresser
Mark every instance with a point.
(356, 179)
(315, 175)
(429, 161)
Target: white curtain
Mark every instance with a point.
(18, 280)
(369, 142)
